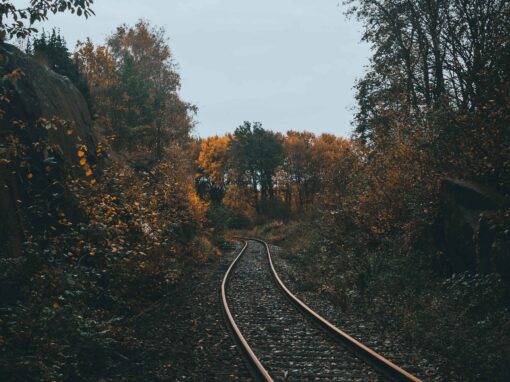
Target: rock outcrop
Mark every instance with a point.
(31, 94)
(473, 228)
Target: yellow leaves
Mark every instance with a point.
(30, 176)
(52, 124)
(14, 76)
(81, 153)
(212, 157)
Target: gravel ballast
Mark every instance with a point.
(287, 344)
(387, 342)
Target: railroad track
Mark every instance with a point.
(282, 338)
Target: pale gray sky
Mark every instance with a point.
(290, 64)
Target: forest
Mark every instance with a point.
(111, 206)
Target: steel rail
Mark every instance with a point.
(256, 367)
(384, 365)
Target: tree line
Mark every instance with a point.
(271, 173)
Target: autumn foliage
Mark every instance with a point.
(109, 217)
(376, 224)
(276, 175)
(109, 220)
(134, 84)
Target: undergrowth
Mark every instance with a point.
(463, 319)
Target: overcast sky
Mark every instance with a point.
(290, 64)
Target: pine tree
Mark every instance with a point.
(51, 48)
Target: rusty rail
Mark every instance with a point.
(255, 366)
(385, 366)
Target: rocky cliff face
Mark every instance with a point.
(474, 228)
(44, 122)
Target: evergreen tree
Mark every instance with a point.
(254, 154)
(51, 48)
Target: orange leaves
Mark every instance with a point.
(394, 182)
(197, 206)
(81, 153)
(98, 67)
(14, 76)
(313, 167)
(99, 150)
(118, 106)
(213, 156)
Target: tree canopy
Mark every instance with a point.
(254, 154)
(134, 84)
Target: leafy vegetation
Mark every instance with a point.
(408, 221)
(381, 227)
(133, 80)
(108, 218)
(18, 21)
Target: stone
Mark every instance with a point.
(36, 93)
(465, 208)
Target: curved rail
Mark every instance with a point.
(255, 365)
(387, 367)
(382, 364)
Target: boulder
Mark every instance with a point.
(31, 94)
(469, 233)
(493, 243)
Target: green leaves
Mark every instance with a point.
(254, 154)
(134, 86)
(18, 22)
